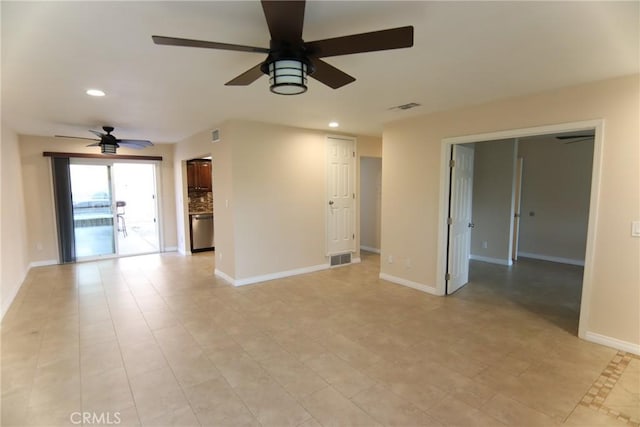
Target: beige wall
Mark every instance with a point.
(269, 196)
(42, 240)
(14, 257)
(493, 169)
(369, 146)
(556, 183)
(279, 198)
(411, 165)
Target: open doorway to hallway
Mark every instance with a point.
(554, 215)
(370, 203)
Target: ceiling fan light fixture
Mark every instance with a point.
(108, 148)
(288, 76)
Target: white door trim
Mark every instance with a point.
(516, 206)
(445, 150)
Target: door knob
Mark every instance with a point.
(471, 225)
(330, 202)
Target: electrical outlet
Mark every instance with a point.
(485, 244)
(407, 263)
(390, 259)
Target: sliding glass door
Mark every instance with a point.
(114, 208)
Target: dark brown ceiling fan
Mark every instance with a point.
(109, 143)
(290, 59)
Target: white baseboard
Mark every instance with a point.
(629, 347)
(170, 249)
(7, 300)
(223, 276)
(370, 249)
(355, 261)
(491, 260)
(43, 263)
(404, 282)
(560, 260)
(271, 276)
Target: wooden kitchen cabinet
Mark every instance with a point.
(204, 175)
(191, 175)
(199, 175)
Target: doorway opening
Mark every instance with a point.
(200, 204)
(114, 208)
(370, 203)
(448, 246)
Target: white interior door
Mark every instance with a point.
(460, 221)
(340, 195)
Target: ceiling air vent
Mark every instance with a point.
(405, 106)
(215, 135)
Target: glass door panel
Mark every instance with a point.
(93, 215)
(135, 190)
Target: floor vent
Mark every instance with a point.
(340, 259)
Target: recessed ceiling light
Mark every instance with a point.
(333, 124)
(95, 92)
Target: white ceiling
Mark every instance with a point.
(464, 53)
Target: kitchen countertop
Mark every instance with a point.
(201, 213)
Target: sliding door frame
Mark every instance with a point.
(111, 161)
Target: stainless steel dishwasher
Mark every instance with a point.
(202, 232)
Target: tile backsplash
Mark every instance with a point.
(200, 202)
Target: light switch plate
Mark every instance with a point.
(635, 228)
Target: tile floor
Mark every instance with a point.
(156, 340)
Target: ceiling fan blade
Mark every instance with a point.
(574, 136)
(174, 41)
(588, 138)
(135, 143)
(97, 133)
(285, 19)
(394, 38)
(76, 137)
(97, 144)
(246, 78)
(330, 75)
